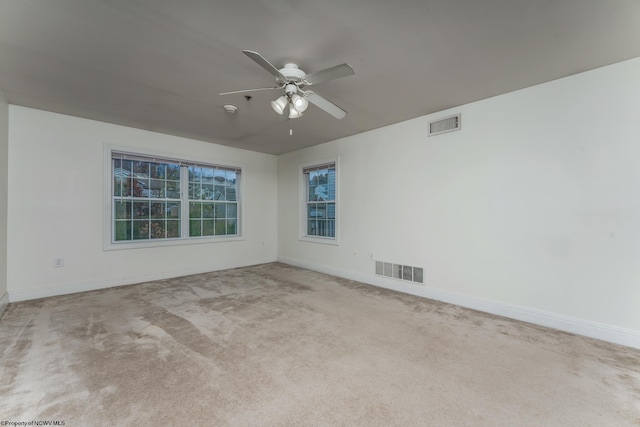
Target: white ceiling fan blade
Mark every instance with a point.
(259, 59)
(327, 106)
(342, 70)
(250, 90)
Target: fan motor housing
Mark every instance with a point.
(292, 72)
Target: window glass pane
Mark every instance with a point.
(194, 191)
(157, 230)
(127, 167)
(141, 210)
(331, 184)
(156, 188)
(232, 226)
(158, 209)
(207, 175)
(220, 227)
(194, 174)
(173, 229)
(321, 193)
(123, 209)
(117, 187)
(317, 210)
(173, 210)
(195, 210)
(219, 176)
(140, 230)
(118, 178)
(331, 210)
(331, 228)
(322, 177)
(121, 186)
(230, 193)
(140, 187)
(207, 228)
(127, 187)
(311, 227)
(219, 192)
(232, 210)
(195, 228)
(158, 170)
(322, 228)
(312, 197)
(206, 192)
(141, 169)
(311, 210)
(173, 190)
(207, 210)
(123, 230)
(231, 177)
(173, 172)
(221, 210)
(313, 177)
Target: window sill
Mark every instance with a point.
(322, 240)
(114, 246)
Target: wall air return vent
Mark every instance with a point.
(402, 272)
(447, 124)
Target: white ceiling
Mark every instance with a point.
(160, 64)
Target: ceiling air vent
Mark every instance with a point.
(447, 124)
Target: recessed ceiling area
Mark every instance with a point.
(161, 65)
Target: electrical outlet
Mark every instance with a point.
(58, 262)
(371, 258)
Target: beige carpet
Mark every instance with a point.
(277, 345)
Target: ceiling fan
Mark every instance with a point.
(293, 80)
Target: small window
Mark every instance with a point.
(156, 199)
(320, 200)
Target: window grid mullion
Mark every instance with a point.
(184, 202)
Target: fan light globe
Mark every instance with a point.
(299, 103)
(279, 105)
(293, 113)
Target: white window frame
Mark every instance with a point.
(302, 229)
(184, 239)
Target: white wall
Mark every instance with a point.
(4, 166)
(532, 210)
(56, 204)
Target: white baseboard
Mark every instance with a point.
(4, 302)
(604, 332)
(71, 288)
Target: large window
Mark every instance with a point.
(155, 199)
(320, 189)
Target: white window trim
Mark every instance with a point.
(109, 244)
(302, 209)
